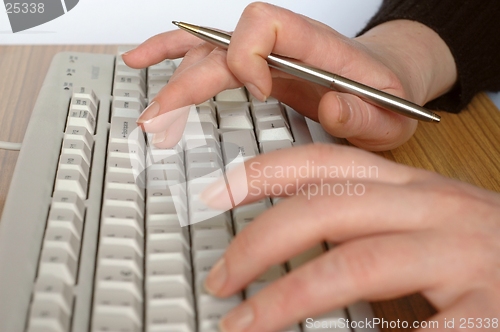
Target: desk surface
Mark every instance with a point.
(464, 146)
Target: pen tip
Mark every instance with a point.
(175, 23)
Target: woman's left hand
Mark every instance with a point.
(399, 231)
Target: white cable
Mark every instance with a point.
(10, 146)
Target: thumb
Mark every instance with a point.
(364, 125)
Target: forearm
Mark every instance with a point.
(416, 54)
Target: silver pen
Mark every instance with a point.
(321, 77)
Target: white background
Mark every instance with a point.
(133, 21)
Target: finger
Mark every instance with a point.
(194, 55)
(476, 310)
(306, 222)
(194, 85)
(369, 269)
(264, 28)
(167, 45)
(305, 164)
(364, 125)
(163, 121)
(174, 123)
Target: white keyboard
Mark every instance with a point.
(94, 238)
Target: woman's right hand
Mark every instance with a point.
(403, 58)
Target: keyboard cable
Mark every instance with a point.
(10, 146)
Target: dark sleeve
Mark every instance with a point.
(470, 28)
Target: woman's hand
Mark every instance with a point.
(399, 230)
(403, 58)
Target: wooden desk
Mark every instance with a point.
(464, 146)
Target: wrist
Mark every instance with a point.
(416, 54)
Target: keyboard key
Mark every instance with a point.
(268, 112)
(124, 197)
(113, 219)
(234, 116)
(221, 221)
(158, 250)
(202, 113)
(71, 180)
(119, 302)
(81, 118)
(125, 147)
(169, 318)
(121, 255)
(70, 201)
(68, 218)
(210, 239)
(75, 133)
(269, 146)
(201, 158)
(238, 94)
(62, 237)
(122, 236)
(273, 130)
(170, 294)
(173, 173)
(47, 315)
(204, 260)
(238, 143)
(83, 104)
(171, 234)
(132, 161)
(58, 262)
(200, 131)
(119, 104)
(49, 288)
(123, 191)
(132, 90)
(69, 161)
(124, 128)
(167, 268)
(256, 103)
(82, 92)
(165, 65)
(125, 176)
(130, 77)
(119, 277)
(78, 147)
(104, 322)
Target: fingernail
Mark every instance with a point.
(255, 91)
(217, 277)
(158, 138)
(127, 52)
(149, 113)
(238, 319)
(345, 110)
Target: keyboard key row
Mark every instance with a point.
(52, 305)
